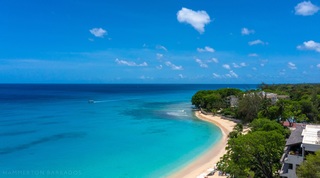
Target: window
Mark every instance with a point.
(290, 166)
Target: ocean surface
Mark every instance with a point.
(131, 130)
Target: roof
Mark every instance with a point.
(287, 124)
(311, 134)
(295, 137)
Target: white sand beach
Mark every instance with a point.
(212, 156)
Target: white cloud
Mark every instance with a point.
(181, 76)
(256, 42)
(306, 8)
(161, 47)
(226, 66)
(254, 68)
(233, 74)
(205, 49)
(197, 19)
(282, 72)
(246, 31)
(216, 75)
(310, 45)
(146, 77)
(253, 55)
(159, 67)
(159, 55)
(263, 62)
(201, 63)
(318, 66)
(242, 64)
(129, 63)
(172, 66)
(98, 32)
(292, 65)
(235, 65)
(215, 60)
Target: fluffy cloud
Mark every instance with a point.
(205, 49)
(292, 65)
(98, 32)
(245, 31)
(253, 55)
(231, 74)
(256, 42)
(306, 8)
(161, 47)
(310, 45)
(318, 66)
(235, 65)
(201, 63)
(172, 66)
(129, 63)
(263, 62)
(240, 65)
(181, 76)
(145, 77)
(215, 60)
(159, 67)
(282, 72)
(226, 66)
(197, 19)
(159, 55)
(216, 75)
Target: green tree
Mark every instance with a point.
(213, 100)
(272, 114)
(197, 99)
(237, 130)
(310, 167)
(263, 124)
(249, 106)
(257, 152)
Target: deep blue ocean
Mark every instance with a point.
(130, 130)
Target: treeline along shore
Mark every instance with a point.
(268, 112)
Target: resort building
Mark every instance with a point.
(304, 140)
(273, 97)
(232, 101)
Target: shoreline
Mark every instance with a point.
(207, 160)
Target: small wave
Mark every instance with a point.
(179, 113)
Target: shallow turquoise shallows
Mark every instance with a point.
(100, 131)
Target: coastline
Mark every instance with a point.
(212, 156)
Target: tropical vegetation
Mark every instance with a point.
(258, 153)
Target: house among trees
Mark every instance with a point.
(273, 97)
(303, 140)
(232, 101)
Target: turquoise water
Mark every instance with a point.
(129, 131)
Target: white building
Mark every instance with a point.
(302, 141)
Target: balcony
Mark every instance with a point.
(293, 159)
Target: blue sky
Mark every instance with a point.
(159, 41)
